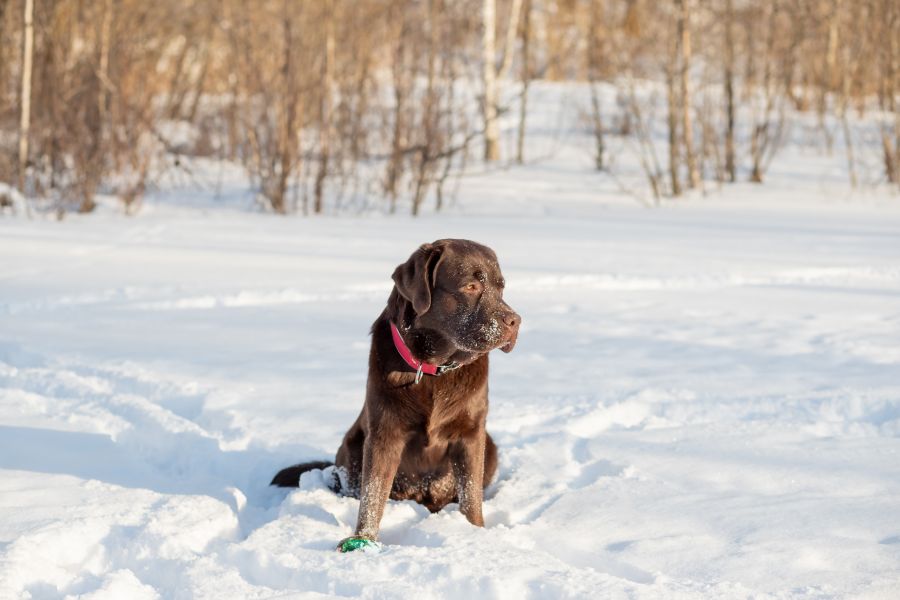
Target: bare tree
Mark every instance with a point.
(765, 92)
(103, 68)
(402, 84)
(430, 143)
(672, 110)
(526, 81)
(376, 100)
(888, 87)
(687, 130)
(512, 28)
(489, 75)
(272, 101)
(325, 104)
(728, 76)
(3, 49)
(595, 52)
(25, 115)
(642, 135)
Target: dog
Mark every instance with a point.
(421, 432)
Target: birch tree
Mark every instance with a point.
(687, 129)
(25, 114)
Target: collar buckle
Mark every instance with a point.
(448, 367)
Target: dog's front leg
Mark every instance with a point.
(467, 456)
(381, 457)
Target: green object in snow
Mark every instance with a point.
(358, 543)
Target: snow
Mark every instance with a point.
(704, 400)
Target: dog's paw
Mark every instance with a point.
(354, 543)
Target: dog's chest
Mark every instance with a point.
(447, 417)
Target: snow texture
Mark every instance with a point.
(704, 400)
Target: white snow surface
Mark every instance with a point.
(704, 401)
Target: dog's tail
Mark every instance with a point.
(290, 477)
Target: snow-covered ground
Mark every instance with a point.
(704, 400)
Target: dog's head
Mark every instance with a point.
(455, 288)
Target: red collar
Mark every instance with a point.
(412, 361)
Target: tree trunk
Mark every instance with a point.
(526, 81)
(489, 74)
(3, 4)
(831, 74)
(672, 116)
(673, 134)
(430, 114)
(25, 115)
(325, 109)
(890, 132)
(593, 67)
(730, 167)
(687, 130)
(512, 28)
(449, 75)
(756, 153)
(286, 135)
(763, 136)
(395, 163)
(103, 71)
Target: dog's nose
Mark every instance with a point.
(511, 319)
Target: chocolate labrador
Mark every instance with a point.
(421, 433)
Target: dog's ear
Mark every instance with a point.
(415, 278)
